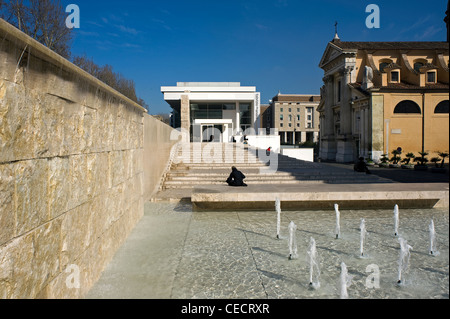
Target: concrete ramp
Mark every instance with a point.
(319, 196)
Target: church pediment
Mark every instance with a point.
(331, 53)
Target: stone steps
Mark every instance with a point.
(191, 185)
(195, 172)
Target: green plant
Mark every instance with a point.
(384, 159)
(408, 158)
(436, 160)
(443, 155)
(422, 160)
(396, 158)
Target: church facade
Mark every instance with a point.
(381, 96)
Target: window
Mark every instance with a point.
(418, 65)
(230, 106)
(383, 65)
(309, 118)
(339, 91)
(281, 124)
(298, 117)
(298, 124)
(310, 109)
(281, 110)
(290, 118)
(245, 127)
(245, 113)
(298, 110)
(394, 76)
(290, 124)
(407, 107)
(290, 110)
(442, 108)
(431, 77)
(281, 117)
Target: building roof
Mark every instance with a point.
(296, 98)
(413, 45)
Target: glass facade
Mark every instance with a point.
(209, 111)
(215, 111)
(245, 110)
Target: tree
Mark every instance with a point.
(142, 103)
(43, 20)
(443, 155)
(396, 158)
(408, 158)
(107, 75)
(163, 117)
(422, 160)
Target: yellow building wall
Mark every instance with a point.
(405, 130)
(436, 125)
(407, 126)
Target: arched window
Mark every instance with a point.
(407, 107)
(383, 65)
(442, 108)
(418, 65)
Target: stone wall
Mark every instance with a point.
(71, 172)
(159, 144)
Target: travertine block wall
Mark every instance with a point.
(71, 172)
(159, 144)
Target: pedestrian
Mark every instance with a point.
(236, 178)
(361, 166)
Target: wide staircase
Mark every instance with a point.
(205, 164)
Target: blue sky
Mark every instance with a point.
(275, 45)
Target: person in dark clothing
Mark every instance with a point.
(361, 166)
(236, 178)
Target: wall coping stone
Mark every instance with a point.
(42, 52)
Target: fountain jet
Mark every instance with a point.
(338, 221)
(278, 210)
(403, 262)
(346, 281)
(396, 220)
(314, 270)
(433, 251)
(292, 241)
(363, 236)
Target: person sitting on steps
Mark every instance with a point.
(361, 166)
(236, 178)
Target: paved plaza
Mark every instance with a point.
(177, 253)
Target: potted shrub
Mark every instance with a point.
(439, 168)
(395, 159)
(384, 161)
(421, 162)
(407, 161)
(369, 162)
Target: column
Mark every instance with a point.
(303, 137)
(185, 114)
(362, 128)
(366, 131)
(238, 118)
(345, 145)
